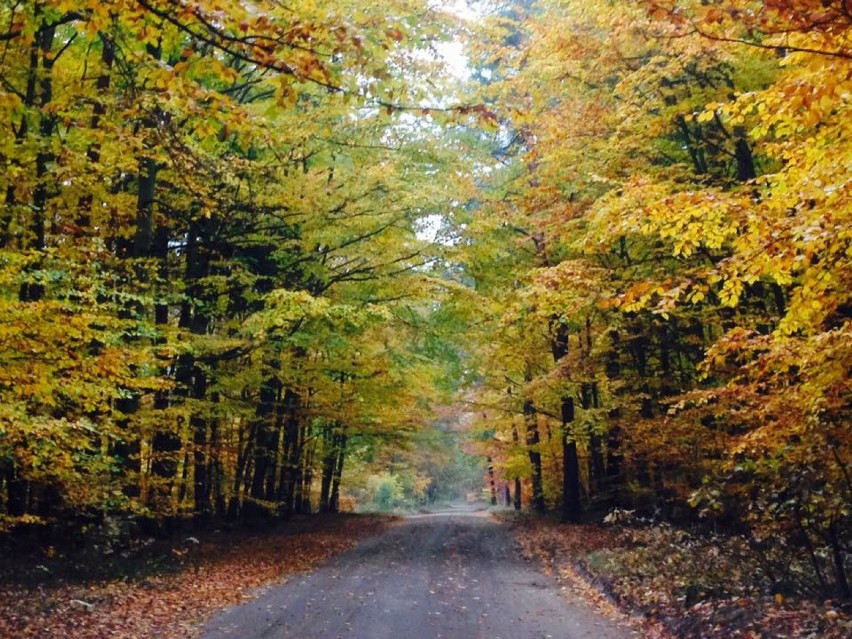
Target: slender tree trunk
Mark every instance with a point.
(597, 473)
(292, 453)
(517, 492)
(21, 131)
(194, 379)
(246, 449)
(300, 467)
(329, 462)
(614, 459)
(276, 468)
(31, 291)
(143, 237)
(200, 468)
(152, 240)
(838, 559)
(492, 482)
(307, 475)
(166, 444)
(18, 493)
(217, 476)
(533, 440)
(693, 144)
(338, 475)
(745, 160)
(127, 448)
(571, 506)
(93, 153)
(264, 449)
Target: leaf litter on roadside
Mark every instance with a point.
(228, 569)
(676, 585)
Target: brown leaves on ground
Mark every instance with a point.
(221, 570)
(676, 584)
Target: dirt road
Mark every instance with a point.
(443, 575)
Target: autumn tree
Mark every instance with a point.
(208, 234)
(682, 161)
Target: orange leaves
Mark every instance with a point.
(395, 34)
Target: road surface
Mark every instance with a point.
(446, 575)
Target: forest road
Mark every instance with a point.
(453, 575)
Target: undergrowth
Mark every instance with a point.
(682, 584)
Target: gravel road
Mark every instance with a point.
(447, 575)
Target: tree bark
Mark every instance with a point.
(93, 153)
(571, 506)
(533, 440)
(338, 475)
(492, 482)
(287, 492)
(329, 462)
(33, 291)
(518, 501)
(264, 449)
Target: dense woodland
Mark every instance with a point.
(250, 252)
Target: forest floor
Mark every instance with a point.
(670, 584)
(675, 585)
(162, 589)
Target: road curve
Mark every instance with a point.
(443, 575)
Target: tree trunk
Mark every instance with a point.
(264, 449)
(614, 460)
(21, 131)
(338, 474)
(276, 468)
(533, 440)
(571, 507)
(143, 236)
(745, 160)
(18, 493)
(287, 492)
(33, 291)
(838, 559)
(517, 493)
(329, 462)
(200, 428)
(589, 400)
(127, 448)
(246, 449)
(93, 153)
(166, 444)
(492, 483)
(303, 506)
